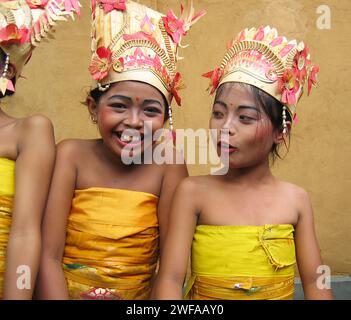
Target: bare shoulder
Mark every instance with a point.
(36, 124)
(73, 148)
(36, 136)
(297, 195)
(294, 190)
(195, 186)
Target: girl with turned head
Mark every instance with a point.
(102, 240)
(27, 148)
(246, 229)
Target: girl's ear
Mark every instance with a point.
(11, 71)
(280, 136)
(92, 107)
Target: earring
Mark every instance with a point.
(93, 119)
(6, 84)
(172, 131)
(285, 126)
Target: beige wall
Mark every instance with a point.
(319, 157)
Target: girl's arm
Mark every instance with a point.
(176, 251)
(308, 252)
(34, 165)
(51, 281)
(174, 174)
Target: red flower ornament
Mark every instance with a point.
(174, 26)
(37, 4)
(301, 63)
(215, 77)
(177, 85)
(288, 86)
(11, 34)
(101, 63)
(109, 5)
(312, 79)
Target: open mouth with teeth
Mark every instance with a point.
(131, 140)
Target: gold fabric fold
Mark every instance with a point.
(111, 246)
(242, 262)
(7, 190)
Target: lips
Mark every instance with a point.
(226, 147)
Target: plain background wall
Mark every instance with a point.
(319, 156)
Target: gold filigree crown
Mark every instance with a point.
(262, 58)
(133, 42)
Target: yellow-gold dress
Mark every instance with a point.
(242, 263)
(7, 192)
(111, 248)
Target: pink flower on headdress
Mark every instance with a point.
(174, 26)
(301, 62)
(177, 84)
(12, 35)
(73, 5)
(215, 78)
(288, 86)
(37, 4)
(109, 5)
(101, 63)
(312, 79)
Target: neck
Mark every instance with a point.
(112, 158)
(4, 118)
(253, 175)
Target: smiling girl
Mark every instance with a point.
(102, 240)
(246, 229)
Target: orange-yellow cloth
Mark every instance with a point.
(111, 246)
(7, 191)
(242, 263)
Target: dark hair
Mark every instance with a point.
(96, 94)
(272, 108)
(3, 56)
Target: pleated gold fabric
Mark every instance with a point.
(242, 263)
(111, 246)
(7, 191)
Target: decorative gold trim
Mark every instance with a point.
(290, 59)
(10, 18)
(257, 46)
(146, 44)
(120, 33)
(167, 43)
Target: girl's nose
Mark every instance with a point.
(229, 127)
(133, 120)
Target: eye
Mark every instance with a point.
(217, 114)
(118, 106)
(152, 111)
(246, 118)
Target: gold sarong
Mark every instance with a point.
(242, 263)
(111, 246)
(7, 191)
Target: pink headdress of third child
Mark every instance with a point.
(23, 24)
(262, 58)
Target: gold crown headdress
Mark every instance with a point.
(23, 23)
(261, 58)
(133, 42)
